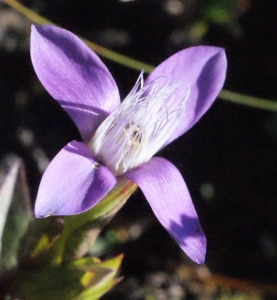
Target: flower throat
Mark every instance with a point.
(140, 126)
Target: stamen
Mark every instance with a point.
(142, 124)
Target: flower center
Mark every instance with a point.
(140, 126)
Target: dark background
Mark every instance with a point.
(229, 159)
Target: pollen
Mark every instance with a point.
(133, 134)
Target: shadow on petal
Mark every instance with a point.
(190, 237)
(79, 149)
(87, 118)
(210, 82)
(187, 228)
(72, 183)
(169, 198)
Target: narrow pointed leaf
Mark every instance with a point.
(41, 236)
(105, 282)
(6, 193)
(15, 214)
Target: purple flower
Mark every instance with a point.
(121, 138)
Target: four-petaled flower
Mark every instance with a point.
(121, 138)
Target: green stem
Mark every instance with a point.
(80, 231)
(241, 99)
(104, 52)
(248, 100)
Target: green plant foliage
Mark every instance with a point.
(104, 278)
(86, 278)
(53, 240)
(15, 213)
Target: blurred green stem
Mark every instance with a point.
(255, 102)
(238, 98)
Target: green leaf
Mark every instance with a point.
(86, 278)
(6, 193)
(15, 213)
(48, 284)
(41, 236)
(105, 277)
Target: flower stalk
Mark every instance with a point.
(77, 233)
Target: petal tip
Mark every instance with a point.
(39, 214)
(199, 260)
(200, 257)
(35, 29)
(169, 198)
(196, 248)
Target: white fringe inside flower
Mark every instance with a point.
(140, 126)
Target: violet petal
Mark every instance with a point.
(167, 193)
(72, 183)
(201, 70)
(73, 75)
